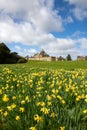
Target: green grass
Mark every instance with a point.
(68, 65)
(58, 64)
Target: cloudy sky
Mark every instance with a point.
(57, 26)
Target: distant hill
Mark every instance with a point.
(8, 57)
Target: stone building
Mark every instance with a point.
(81, 57)
(42, 56)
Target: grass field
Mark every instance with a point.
(68, 65)
(43, 96)
(59, 64)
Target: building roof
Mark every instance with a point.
(43, 53)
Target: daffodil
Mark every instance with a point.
(38, 118)
(85, 111)
(52, 115)
(5, 98)
(5, 113)
(21, 109)
(45, 110)
(17, 118)
(62, 128)
(33, 128)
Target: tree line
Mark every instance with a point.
(8, 57)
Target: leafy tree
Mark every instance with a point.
(7, 57)
(61, 58)
(4, 48)
(85, 57)
(68, 57)
(4, 52)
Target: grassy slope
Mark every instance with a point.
(70, 65)
(59, 64)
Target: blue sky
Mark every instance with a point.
(57, 26)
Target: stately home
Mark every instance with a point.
(81, 57)
(43, 56)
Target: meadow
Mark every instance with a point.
(68, 65)
(43, 96)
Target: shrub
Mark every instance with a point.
(22, 60)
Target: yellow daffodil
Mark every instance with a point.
(21, 109)
(5, 98)
(33, 128)
(5, 113)
(17, 118)
(62, 128)
(45, 110)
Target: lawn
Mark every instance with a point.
(59, 64)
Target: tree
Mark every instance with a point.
(85, 57)
(4, 52)
(68, 57)
(4, 48)
(7, 57)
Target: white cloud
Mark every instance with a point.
(29, 22)
(60, 46)
(80, 13)
(83, 43)
(79, 3)
(47, 21)
(77, 34)
(24, 52)
(18, 47)
(39, 13)
(28, 52)
(63, 46)
(68, 20)
(23, 33)
(80, 10)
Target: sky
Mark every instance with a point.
(57, 26)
